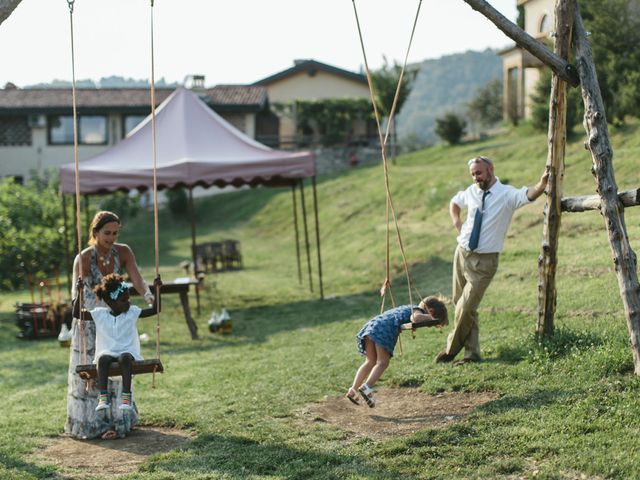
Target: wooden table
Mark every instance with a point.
(181, 287)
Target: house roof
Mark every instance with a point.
(59, 100)
(310, 67)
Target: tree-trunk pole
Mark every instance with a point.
(595, 123)
(6, 7)
(561, 67)
(548, 259)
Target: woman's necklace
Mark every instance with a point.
(105, 259)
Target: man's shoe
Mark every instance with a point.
(443, 357)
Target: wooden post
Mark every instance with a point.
(557, 136)
(595, 124)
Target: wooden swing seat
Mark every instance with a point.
(139, 366)
(425, 323)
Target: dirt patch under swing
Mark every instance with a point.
(81, 459)
(398, 411)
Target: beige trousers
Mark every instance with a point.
(472, 274)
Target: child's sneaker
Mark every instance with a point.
(127, 402)
(103, 402)
(367, 393)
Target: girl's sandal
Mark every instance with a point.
(367, 393)
(351, 396)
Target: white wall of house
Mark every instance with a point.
(39, 156)
(320, 86)
(20, 161)
(302, 86)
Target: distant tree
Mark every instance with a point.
(540, 104)
(31, 242)
(450, 128)
(385, 83)
(485, 108)
(614, 26)
(177, 200)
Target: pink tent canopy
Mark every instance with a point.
(195, 147)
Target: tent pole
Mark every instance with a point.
(66, 242)
(75, 222)
(306, 232)
(315, 209)
(193, 247)
(295, 226)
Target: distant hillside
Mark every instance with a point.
(444, 85)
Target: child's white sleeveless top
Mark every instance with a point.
(116, 335)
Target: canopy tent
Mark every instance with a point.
(194, 147)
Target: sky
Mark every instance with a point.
(231, 41)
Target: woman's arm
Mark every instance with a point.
(128, 261)
(155, 307)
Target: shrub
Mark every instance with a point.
(450, 128)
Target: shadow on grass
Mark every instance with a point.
(16, 468)
(236, 457)
(562, 342)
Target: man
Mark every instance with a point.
(481, 237)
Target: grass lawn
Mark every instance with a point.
(565, 408)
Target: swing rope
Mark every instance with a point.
(83, 341)
(144, 366)
(386, 286)
(155, 195)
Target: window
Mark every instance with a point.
(92, 130)
(545, 24)
(14, 131)
(130, 122)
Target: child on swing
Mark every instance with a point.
(116, 333)
(377, 339)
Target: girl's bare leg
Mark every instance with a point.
(367, 365)
(382, 362)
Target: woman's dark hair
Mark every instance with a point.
(100, 220)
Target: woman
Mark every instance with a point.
(102, 257)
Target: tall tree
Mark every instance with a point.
(614, 28)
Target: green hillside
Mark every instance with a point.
(444, 85)
(562, 408)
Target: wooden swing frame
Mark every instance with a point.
(138, 367)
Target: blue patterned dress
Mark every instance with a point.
(385, 328)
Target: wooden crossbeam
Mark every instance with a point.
(629, 198)
(138, 367)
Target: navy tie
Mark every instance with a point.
(477, 223)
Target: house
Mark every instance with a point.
(520, 69)
(310, 80)
(36, 125)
